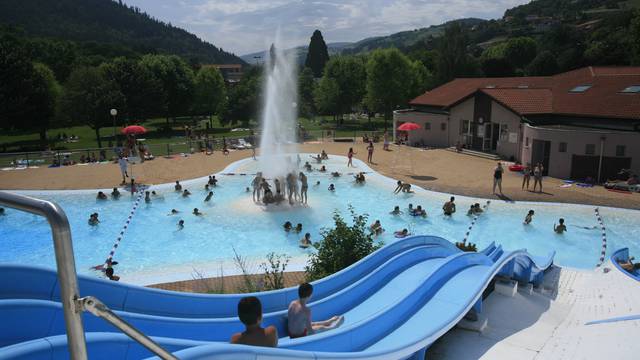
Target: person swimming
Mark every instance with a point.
(396, 211)
(93, 219)
(449, 207)
(477, 209)
(307, 166)
(115, 193)
(287, 226)
(324, 155)
(178, 187)
(332, 187)
(560, 228)
(305, 242)
(247, 189)
(410, 207)
(317, 183)
(101, 196)
(298, 228)
(206, 187)
(147, 197)
(173, 212)
(323, 169)
(529, 217)
(419, 211)
(472, 210)
(213, 181)
(335, 174)
(401, 233)
(180, 225)
(197, 212)
(376, 228)
(209, 196)
(186, 193)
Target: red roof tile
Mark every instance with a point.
(550, 95)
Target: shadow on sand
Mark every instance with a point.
(423, 178)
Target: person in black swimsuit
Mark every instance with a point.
(497, 178)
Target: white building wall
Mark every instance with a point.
(510, 131)
(577, 140)
(462, 111)
(432, 132)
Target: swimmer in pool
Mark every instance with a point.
(287, 226)
(101, 196)
(560, 228)
(298, 228)
(93, 219)
(449, 207)
(401, 233)
(477, 209)
(332, 187)
(180, 225)
(115, 193)
(472, 210)
(147, 197)
(305, 242)
(173, 212)
(323, 169)
(419, 211)
(178, 187)
(335, 174)
(186, 193)
(529, 217)
(209, 196)
(396, 211)
(197, 212)
(376, 228)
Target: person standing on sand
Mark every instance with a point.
(350, 156)
(527, 176)
(122, 162)
(386, 141)
(370, 152)
(537, 176)
(497, 178)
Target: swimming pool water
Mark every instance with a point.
(152, 242)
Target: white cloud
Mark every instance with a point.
(244, 26)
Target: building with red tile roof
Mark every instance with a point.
(579, 124)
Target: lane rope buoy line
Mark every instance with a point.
(604, 237)
(473, 221)
(122, 231)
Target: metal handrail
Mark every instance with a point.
(72, 304)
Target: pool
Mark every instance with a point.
(153, 244)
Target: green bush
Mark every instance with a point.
(341, 246)
(274, 270)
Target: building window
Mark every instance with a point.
(620, 150)
(466, 127)
(633, 89)
(443, 126)
(590, 150)
(526, 141)
(562, 147)
(580, 89)
(427, 126)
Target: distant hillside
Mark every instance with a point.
(300, 53)
(108, 22)
(405, 39)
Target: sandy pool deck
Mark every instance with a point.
(438, 170)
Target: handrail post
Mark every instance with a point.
(65, 262)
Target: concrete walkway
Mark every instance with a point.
(550, 322)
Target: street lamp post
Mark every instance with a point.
(113, 113)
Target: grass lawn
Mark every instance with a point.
(159, 132)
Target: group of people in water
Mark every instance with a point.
(299, 320)
(305, 242)
(285, 188)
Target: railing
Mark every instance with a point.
(72, 304)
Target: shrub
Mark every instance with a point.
(274, 271)
(341, 246)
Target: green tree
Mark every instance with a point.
(142, 91)
(634, 32)
(340, 246)
(43, 101)
(177, 81)
(453, 59)
(544, 64)
(210, 91)
(317, 55)
(496, 67)
(241, 104)
(349, 73)
(88, 97)
(306, 86)
(392, 79)
(520, 51)
(327, 96)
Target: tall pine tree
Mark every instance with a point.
(318, 55)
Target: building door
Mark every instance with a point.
(495, 136)
(541, 151)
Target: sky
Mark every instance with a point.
(246, 26)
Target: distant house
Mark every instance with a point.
(578, 124)
(231, 73)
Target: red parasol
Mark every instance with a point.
(408, 126)
(134, 129)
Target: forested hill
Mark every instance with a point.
(110, 23)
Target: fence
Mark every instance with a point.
(62, 157)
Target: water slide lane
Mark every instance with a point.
(41, 283)
(17, 311)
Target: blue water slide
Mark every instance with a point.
(622, 255)
(42, 283)
(217, 329)
(395, 311)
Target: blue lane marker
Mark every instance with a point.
(614, 319)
